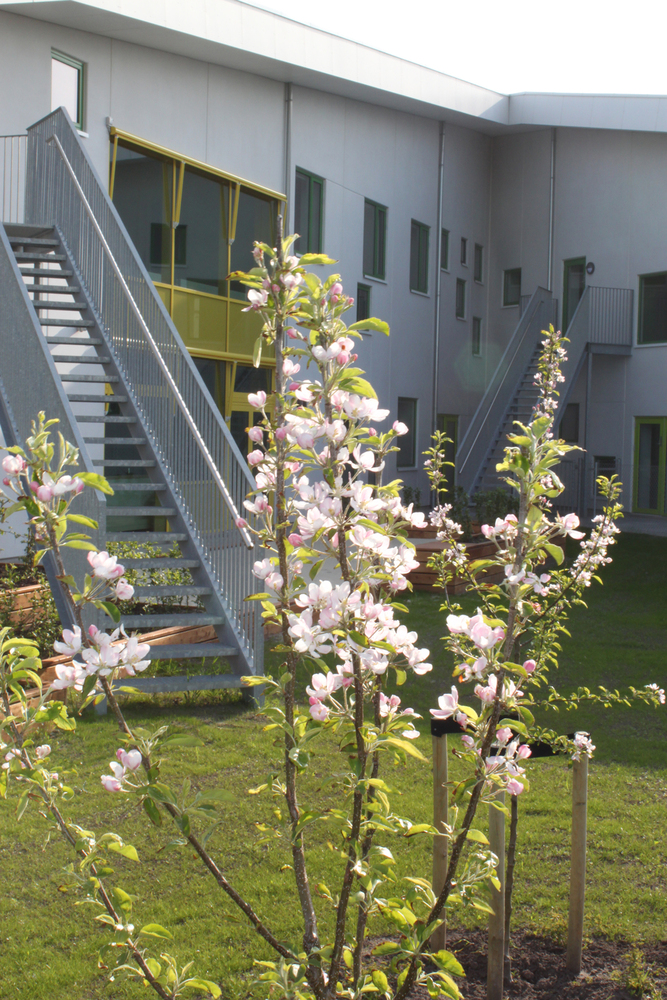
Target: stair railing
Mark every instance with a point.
(481, 433)
(205, 468)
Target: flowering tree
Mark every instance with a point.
(320, 505)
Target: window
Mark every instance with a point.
(478, 270)
(569, 425)
(407, 450)
(652, 327)
(464, 251)
(375, 236)
(650, 463)
(460, 312)
(308, 203)
(419, 257)
(512, 287)
(444, 249)
(363, 302)
(67, 86)
(476, 336)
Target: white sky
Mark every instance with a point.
(510, 45)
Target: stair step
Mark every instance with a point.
(49, 258)
(177, 590)
(142, 487)
(166, 621)
(78, 323)
(33, 241)
(99, 379)
(37, 271)
(158, 562)
(125, 463)
(81, 397)
(117, 441)
(107, 418)
(190, 651)
(144, 512)
(74, 341)
(151, 537)
(69, 306)
(79, 359)
(53, 289)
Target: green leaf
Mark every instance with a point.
(320, 259)
(157, 931)
(161, 793)
(361, 387)
(299, 757)
(82, 519)
(154, 967)
(380, 980)
(555, 551)
(152, 812)
(127, 851)
(477, 836)
(204, 984)
(218, 795)
(386, 948)
(253, 681)
(407, 746)
(372, 323)
(79, 544)
(96, 481)
(448, 963)
(122, 899)
(112, 610)
(256, 597)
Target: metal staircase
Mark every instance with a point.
(98, 350)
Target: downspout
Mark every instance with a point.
(288, 154)
(552, 194)
(438, 283)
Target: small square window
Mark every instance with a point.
(652, 327)
(363, 302)
(479, 263)
(512, 287)
(464, 251)
(67, 86)
(444, 249)
(476, 336)
(460, 312)
(308, 212)
(375, 238)
(407, 443)
(419, 234)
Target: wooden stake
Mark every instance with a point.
(575, 928)
(496, 949)
(440, 816)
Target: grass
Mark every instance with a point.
(48, 943)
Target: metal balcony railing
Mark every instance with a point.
(205, 467)
(13, 150)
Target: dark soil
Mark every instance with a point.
(538, 968)
(13, 575)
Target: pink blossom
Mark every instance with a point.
(241, 522)
(13, 464)
(323, 685)
(468, 742)
(514, 787)
(255, 433)
(281, 433)
(124, 590)
(110, 783)
(318, 710)
(487, 694)
(256, 298)
(503, 735)
(290, 367)
(71, 643)
(45, 492)
(448, 703)
(43, 751)
(255, 457)
(524, 752)
(129, 759)
(257, 399)
(400, 428)
(529, 666)
(104, 566)
(457, 623)
(568, 524)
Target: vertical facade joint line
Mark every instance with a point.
(438, 280)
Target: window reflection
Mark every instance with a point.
(143, 196)
(256, 221)
(204, 222)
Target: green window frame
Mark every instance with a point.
(512, 287)
(460, 305)
(419, 239)
(476, 336)
(363, 302)
(375, 239)
(652, 318)
(650, 465)
(478, 267)
(79, 66)
(464, 251)
(444, 249)
(308, 211)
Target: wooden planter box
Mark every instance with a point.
(23, 601)
(424, 578)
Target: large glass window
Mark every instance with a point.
(308, 211)
(652, 327)
(67, 86)
(375, 236)
(512, 287)
(407, 443)
(142, 194)
(650, 464)
(256, 221)
(419, 257)
(200, 245)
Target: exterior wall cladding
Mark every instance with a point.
(609, 206)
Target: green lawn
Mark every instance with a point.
(48, 943)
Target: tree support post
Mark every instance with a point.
(496, 949)
(439, 730)
(575, 928)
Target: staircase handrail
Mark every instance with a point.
(199, 441)
(506, 376)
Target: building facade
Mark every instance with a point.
(448, 206)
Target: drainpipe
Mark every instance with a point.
(438, 283)
(552, 192)
(288, 153)
(586, 462)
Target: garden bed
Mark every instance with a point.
(425, 578)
